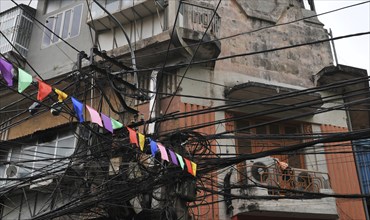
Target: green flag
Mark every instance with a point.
(24, 80)
(179, 157)
(116, 124)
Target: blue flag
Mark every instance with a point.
(78, 107)
(153, 147)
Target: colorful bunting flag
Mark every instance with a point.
(141, 141)
(78, 107)
(94, 115)
(194, 167)
(116, 124)
(173, 157)
(163, 151)
(133, 136)
(24, 80)
(153, 147)
(61, 95)
(44, 90)
(180, 159)
(6, 71)
(188, 165)
(107, 122)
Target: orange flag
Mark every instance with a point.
(189, 166)
(44, 90)
(133, 137)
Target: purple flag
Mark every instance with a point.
(173, 157)
(107, 122)
(6, 71)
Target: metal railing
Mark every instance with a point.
(198, 16)
(287, 181)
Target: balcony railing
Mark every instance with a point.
(17, 27)
(124, 11)
(267, 172)
(198, 16)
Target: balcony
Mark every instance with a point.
(271, 180)
(124, 11)
(199, 16)
(148, 25)
(16, 24)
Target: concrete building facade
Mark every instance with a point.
(265, 91)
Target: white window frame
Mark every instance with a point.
(58, 4)
(53, 39)
(33, 168)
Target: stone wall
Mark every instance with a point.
(263, 26)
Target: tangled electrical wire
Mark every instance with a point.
(89, 184)
(143, 185)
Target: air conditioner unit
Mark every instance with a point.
(261, 170)
(12, 171)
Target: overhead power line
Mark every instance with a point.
(260, 29)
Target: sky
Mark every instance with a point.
(354, 51)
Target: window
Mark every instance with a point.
(52, 5)
(257, 139)
(65, 24)
(268, 137)
(168, 83)
(44, 156)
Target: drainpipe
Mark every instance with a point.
(333, 46)
(152, 102)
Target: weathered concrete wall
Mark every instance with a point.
(292, 66)
(58, 58)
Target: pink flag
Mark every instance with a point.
(163, 151)
(94, 115)
(133, 137)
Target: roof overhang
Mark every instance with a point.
(341, 73)
(355, 89)
(273, 101)
(34, 135)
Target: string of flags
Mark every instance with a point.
(136, 138)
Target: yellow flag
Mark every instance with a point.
(141, 141)
(61, 95)
(194, 166)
